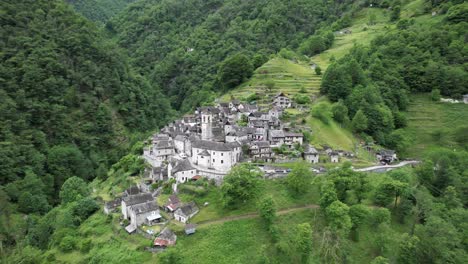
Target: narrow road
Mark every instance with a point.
(255, 215)
(388, 167)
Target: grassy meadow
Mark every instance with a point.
(434, 124)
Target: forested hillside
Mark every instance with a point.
(68, 100)
(99, 10)
(189, 48)
(83, 82)
(423, 54)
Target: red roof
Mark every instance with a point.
(196, 177)
(161, 242)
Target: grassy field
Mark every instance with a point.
(361, 33)
(215, 210)
(288, 77)
(432, 124)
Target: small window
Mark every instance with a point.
(222, 154)
(222, 161)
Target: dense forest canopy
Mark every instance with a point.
(99, 11)
(67, 96)
(73, 102)
(181, 45)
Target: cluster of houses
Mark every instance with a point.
(208, 143)
(211, 141)
(139, 207)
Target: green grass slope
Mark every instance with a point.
(434, 124)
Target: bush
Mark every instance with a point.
(86, 245)
(67, 244)
(322, 112)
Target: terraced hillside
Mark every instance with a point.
(292, 77)
(287, 76)
(432, 125)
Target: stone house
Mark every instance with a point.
(185, 212)
(334, 157)
(132, 190)
(144, 213)
(110, 206)
(311, 154)
(276, 137)
(386, 156)
(181, 170)
(282, 100)
(173, 203)
(291, 138)
(261, 150)
(129, 201)
(165, 238)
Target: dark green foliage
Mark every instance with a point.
(235, 70)
(299, 179)
(318, 70)
(267, 210)
(67, 97)
(303, 241)
(99, 10)
(340, 112)
(458, 13)
(327, 194)
(337, 214)
(241, 185)
(182, 45)
(322, 111)
(359, 122)
(414, 58)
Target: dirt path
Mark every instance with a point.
(255, 215)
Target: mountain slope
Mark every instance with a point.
(99, 11)
(181, 45)
(62, 85)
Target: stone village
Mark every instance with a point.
(207, 144)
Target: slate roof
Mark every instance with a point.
(261, 144)
(183, 165)
(204, 153)
(386, 152)
(187, 209)
(280, 94)
(163, 144)
(310, 150)
(132, 190)
(165, 238)
(114, 203)
(138, 199)
(292, 134)
(276, 133)
(180, 138)
(210, 145)
(144, 207)
(209, 109)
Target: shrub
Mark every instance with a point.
(67, 244)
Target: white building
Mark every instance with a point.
(311, 154)
(181, 170)
(129, 201)
(160, 151)
(185, 212)
(215, 155)
(145, 213)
